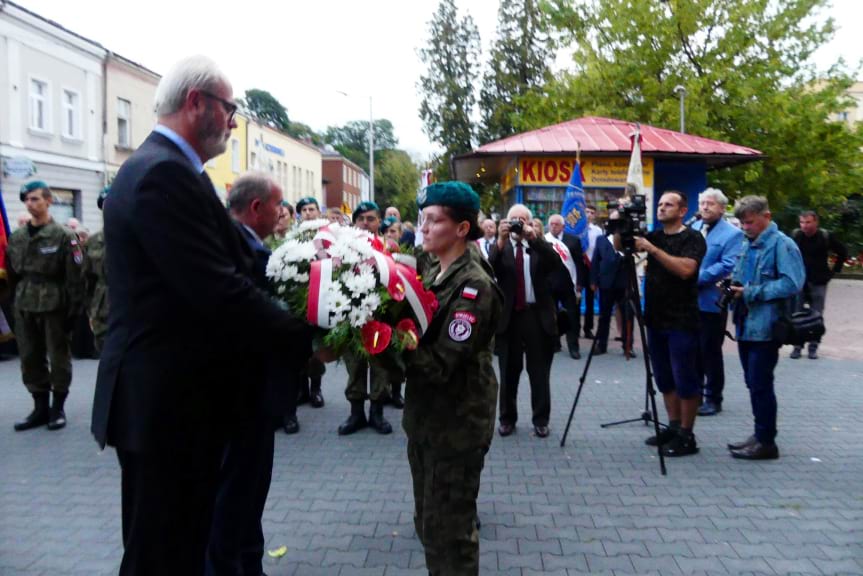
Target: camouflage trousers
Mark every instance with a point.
(43, 338)
(445, 493)
(359, 388)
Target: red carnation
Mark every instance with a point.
(376, 336)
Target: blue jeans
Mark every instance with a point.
(674, 357)
(711, 369)
(759, 360)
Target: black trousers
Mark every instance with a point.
(571, 305)
(588, 308)
(608, 298)
(711, 368)
(525, 338)
(167, 507)
(236, 545)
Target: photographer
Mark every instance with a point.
(671, 316)
(523, 264)
(770, 273)
(724, 243)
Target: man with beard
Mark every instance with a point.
(185, 327)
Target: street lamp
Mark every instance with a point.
(681, 91)
(371, 147)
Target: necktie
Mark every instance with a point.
(705, 228)
(519, 278)
(487, 246)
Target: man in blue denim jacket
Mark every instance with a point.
(724, 243)
(770, 272)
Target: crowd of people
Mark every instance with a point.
(199, 366)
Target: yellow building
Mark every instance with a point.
(294, 165)
(854, 113)
(224, 169)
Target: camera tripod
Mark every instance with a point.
(632, 301)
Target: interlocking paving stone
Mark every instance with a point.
(343, 505)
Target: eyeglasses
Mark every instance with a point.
(229, 107)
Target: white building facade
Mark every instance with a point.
(51, 114)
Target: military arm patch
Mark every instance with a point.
(469, 293)
(77, 254)
(460, 329)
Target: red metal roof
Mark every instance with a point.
(597, 134)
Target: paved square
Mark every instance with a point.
(343, 506)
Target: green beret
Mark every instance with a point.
(102, 195)
(387, 222)
(453, 194)
(305, 201)
(363, 207)
(30, 187)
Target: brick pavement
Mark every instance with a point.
(343, 506)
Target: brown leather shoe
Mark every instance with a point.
(757, 451)
(506, 429)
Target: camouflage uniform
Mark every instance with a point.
(357, 389)
(46, 270)
(449, 415)
(96, 279)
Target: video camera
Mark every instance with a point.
(632, 221)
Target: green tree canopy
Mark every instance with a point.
(446, 87)
(396, 182)
(266, 108)
(748, 79)
(355, 134)
(518, 64)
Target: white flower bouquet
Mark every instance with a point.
(342, 280)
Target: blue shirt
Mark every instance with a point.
(181, 143)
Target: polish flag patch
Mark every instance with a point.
(469, 293)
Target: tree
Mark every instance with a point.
(396, 182)
(518, 64)
(746, 70)
(267, 109)
(355, 134)
(451, 58)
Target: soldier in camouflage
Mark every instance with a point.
(45, 270)
(367, 216)
(96, 281)
(451, 392)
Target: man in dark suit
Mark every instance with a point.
(237, 538)
(176, 377)
(608, 279)
(523, 264)
(566, 287)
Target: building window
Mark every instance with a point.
(235, 156)
(344, 173)
(71, 114)
(124, 123)
(39, 108)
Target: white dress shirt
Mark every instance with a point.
(529, 294)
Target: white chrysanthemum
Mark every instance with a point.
(359, 284)
(289, 273)
(313, 224)
(358, 317)
(371, 302)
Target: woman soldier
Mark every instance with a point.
(451, 387)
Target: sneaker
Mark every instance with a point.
(710, 408)
(795, 353)
(665, 436)
(680, 445)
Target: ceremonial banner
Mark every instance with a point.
(574, 210)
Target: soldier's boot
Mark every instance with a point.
(377, 420)
(396, 398)
(357, 419)
(316, 397)
(57, 417)
(40, 415)
(303, 396)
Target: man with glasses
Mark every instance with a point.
(188, 325)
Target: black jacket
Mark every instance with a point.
(606, 270)
(544, 262)
(815, 249)
(185, 314)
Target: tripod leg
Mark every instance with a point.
(580, 386)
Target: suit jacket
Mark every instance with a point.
(724, 245)
(606, 269)
(563, 282)
(544, 263)
(185, 314)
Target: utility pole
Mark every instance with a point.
(681, 91)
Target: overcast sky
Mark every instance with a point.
(305, 52)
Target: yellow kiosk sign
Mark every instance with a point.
(598, 172)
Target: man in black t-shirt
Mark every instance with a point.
(671, 316)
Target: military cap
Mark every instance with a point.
(30, 187)
(387, 222)
(102, 195)
(364, 207)
(305, 201)
(453, 194)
